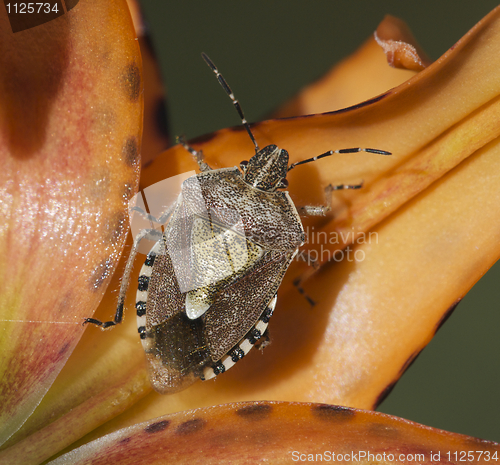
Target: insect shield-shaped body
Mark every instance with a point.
(208, 286)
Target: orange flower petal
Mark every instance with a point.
(105, 376)
(70, 132)
(278, 432)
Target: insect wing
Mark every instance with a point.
(238, 308)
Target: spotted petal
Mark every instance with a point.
(70, 135)
(281, 432)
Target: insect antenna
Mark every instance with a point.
(331, 152)
(229, 92)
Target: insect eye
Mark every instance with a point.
(244, 165)
(283, 184)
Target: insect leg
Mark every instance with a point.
(160, 220)
(197, 154)
(322, 210)
(297, 284)
(145, 214)
(307, 257)
(264, 341)
(151, 234)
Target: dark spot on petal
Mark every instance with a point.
(161, 117)
(157, 427)
(255, 412)
(131, 82)
(332, 412)
(63, 349)
(100, 274)
(125, 440)
(115, 226)
(382, 396)
(131, 152)
(190, 426)
(447, 315)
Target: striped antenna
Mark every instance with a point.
(229, 92)
(331, 152)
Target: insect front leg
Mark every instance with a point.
(322, 210)
(146, 215)
(151, 234)
(160, 220)
(197, 154)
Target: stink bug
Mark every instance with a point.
(209, 285)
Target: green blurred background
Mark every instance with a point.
(268, 50)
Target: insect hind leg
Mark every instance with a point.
(151, 234)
